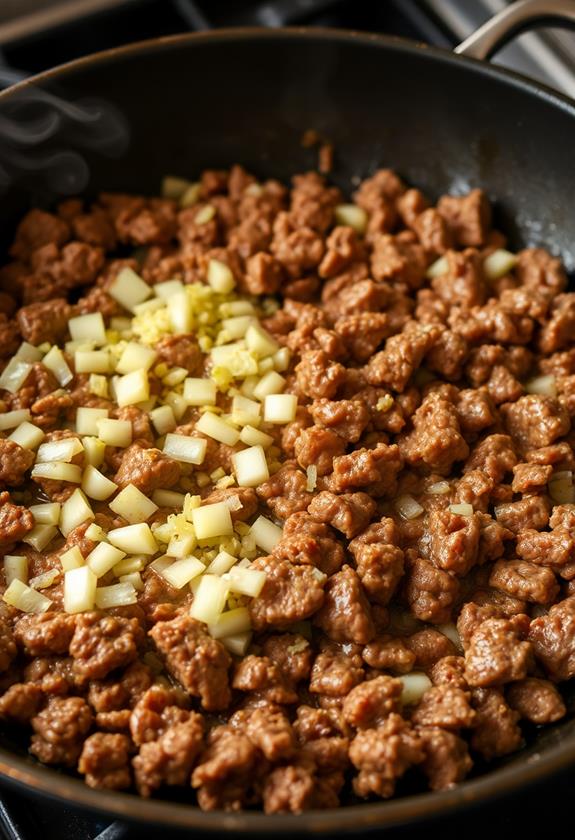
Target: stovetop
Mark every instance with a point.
(37, 34)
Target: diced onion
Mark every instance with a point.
(168, 288)
(71, 559)
(129, 565)
(462, 509)
(115, 432)
(190, 450)
(129, 289)
(94, 451)
(545, 385)
(136, 357)
(103, 558)
(220, 277)
(79, 589)
(280, 408)
(199, 391)
(498, 264)
(222, 563)
(135, 578)
(134, 539)
(236, 327)
(89, 327)
(92, 361)
(561, 489)
(25, 598)
(132, 388)
(168, 498)
(246, 581)
(270, 383)
(408, 507)
(11, 419)
(231, 623)
(27, 435)
(450, 632)
(352, 216)
(282, 359)
(15, 568)
(45, 579)
(414, 687)
(96, 485)
(205, 214)
(133, 505)
(250, 466)
(311, 482)
(260, 342)
(238, 644)
(181, 546)
(28, 353)
(266, 534)
(14, 374)
(59, 450)
(440, 488)
(46, 514)
(75, 510)
(40, 536)
(173, 187)
(235, 359)
(182, 571)
(95, 533)
(213, 426)
(209, 599)
(54, 360)
(437, 268)
(87, 420)
(163, 419)
(245, 412)
(116, 595)
(212, 521)
(58, 471)
(191, 195)
(254, 437)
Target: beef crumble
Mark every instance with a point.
(411, 527)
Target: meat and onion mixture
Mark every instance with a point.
(287, 510)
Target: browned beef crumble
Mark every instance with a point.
(409, 386)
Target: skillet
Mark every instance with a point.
(445, 122)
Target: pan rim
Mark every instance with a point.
(22, 773)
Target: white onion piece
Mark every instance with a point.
(25, 598)
(250, 466)
(408, 507)
(71, 559)
(11, 419)
(437, 268)
(266, 534)
(253, 437)
(213, 426)
(59, 450)
(132, 388)
(79, 590)
(246, 581)
(209, 599)
(46, 514)
(199, 391)
(27, 435)
(103, 558)
(40, 536)
(116, 595)
(220, 277)
(352, 216)
(182, 571)
(168, 288)
(163, 419)
(115, 432)
(136, 357)
(58, 471)
(212, 521)
(498, 264)
(414, 687)
(15, 568)
(14, 374)
(545, 385)
(45, 579)
(238, 644)
(222, 563)
(231, 623)
(75, 510)
(129, 289)
(462, 509)
(54, 360)
(134, 539)
(190, 450)
(260, 342)
(132, 505)
(91, 361)
(96, 485)
(280, 408)
(271, 383)
(89, 327)
(87, 420)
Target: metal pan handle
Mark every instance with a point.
(513, 20)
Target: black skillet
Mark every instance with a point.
(445, 122)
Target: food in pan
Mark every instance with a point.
(287, 510)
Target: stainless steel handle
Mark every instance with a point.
(513, 20)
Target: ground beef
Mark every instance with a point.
(45, 634)
(60, 729)
(345, 615)
(101, 643)
(147, 469)
(552, 637)
(410, 383)
(105, 761)
(496, 653)
(383, 755)
(198, 662)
